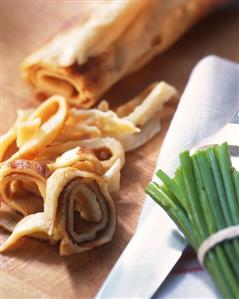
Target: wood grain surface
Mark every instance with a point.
(35, 270)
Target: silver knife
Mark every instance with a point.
(147, 259)
(152, 252)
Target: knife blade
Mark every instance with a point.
(135, 274)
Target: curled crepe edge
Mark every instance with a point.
(158, 94)
(114, 150)
(107, 150)
(148, 131)
(78, 157)
(30, 226)
(8, 217)
(143, 111)
(7, 139)
(112, 176)
(38, 129)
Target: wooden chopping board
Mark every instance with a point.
(36, 270)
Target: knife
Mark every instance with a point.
(153, 251)
(147, 259)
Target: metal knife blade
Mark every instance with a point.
(135, 274)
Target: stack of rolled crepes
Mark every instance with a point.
(59, 165)
(117, 38)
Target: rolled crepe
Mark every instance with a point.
(22, 185)
(118, 38)
(22, 190)
(79, 211)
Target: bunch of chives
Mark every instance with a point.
(203, 198)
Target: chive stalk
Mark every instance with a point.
(232, 248)
(203, 198)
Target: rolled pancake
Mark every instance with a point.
(118, 38)
(79, 211)
(22, 185)
(22, 190)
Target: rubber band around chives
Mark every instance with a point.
(221, 236)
